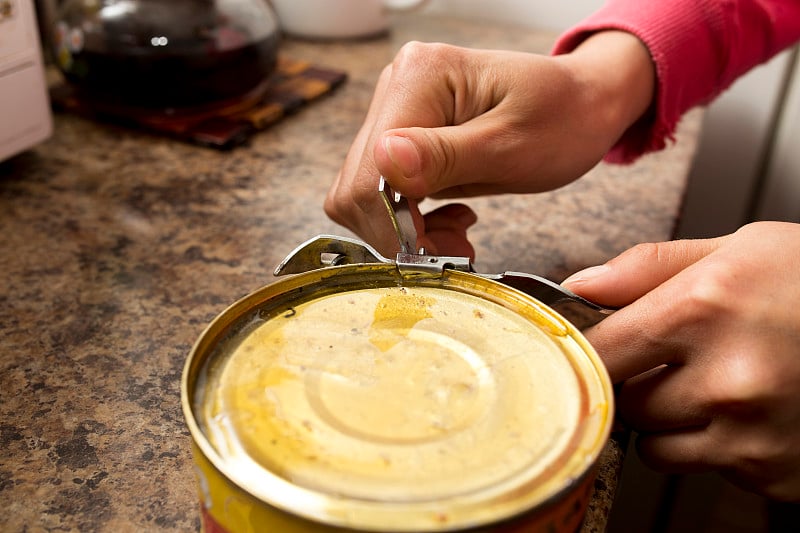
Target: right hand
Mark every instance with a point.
(450, 122)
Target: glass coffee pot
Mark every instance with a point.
(165, 53)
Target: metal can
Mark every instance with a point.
(353, 398)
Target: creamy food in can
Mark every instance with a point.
(404, 408)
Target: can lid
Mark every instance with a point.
(407, 405)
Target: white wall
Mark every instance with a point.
(545, 14)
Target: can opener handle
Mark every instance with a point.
(330, 250)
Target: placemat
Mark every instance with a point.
(222, 125)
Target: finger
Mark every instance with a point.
(475, 158)
(654, 327)
(777, 481)
(410, 92)
(662, 399)
(680, 452)
(358, 161)
(657, 329)
(744, 454)
(353, 200)
(635, 339)
(355, 164)
(446, 231)
(638, 270)
(486, 137)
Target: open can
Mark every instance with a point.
(368, 397)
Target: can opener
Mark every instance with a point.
(330, 250)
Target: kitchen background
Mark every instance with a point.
(746, 168)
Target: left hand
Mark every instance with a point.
(708, 347)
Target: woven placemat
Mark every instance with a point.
(222, 125)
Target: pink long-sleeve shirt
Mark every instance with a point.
(699, 48)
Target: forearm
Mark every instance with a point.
(616, 69)
(699, 48)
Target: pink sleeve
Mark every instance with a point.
(699, 47)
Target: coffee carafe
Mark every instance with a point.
(165, 53)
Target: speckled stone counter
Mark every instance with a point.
(119, 247)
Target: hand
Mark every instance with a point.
(708, 347)
(453, 122)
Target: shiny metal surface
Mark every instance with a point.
(400, 215)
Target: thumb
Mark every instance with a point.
(638, 270)
(448, 161)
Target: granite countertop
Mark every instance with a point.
(118, 247)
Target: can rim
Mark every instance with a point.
(377, 515)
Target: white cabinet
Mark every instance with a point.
(729, 172)
(780, 190)
(24, 104)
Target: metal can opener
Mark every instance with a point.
(330, 250)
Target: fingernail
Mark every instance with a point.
(404, 155)
(587, 274)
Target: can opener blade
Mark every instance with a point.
(400, 217)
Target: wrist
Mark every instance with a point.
(618, 77)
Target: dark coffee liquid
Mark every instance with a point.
(164, 78)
